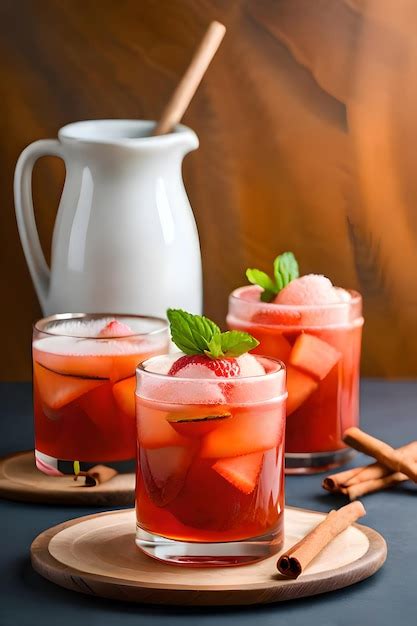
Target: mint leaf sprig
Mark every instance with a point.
(285, 270)
(196, 334)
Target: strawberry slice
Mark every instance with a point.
(196, 426)
(300, 386)
(241, 471)
(244, 433)
(115, 329)
(57, 390)
(124, 394)
(314, 356)
(226, 368)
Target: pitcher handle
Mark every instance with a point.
(25, 216)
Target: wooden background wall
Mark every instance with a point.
(308, 127)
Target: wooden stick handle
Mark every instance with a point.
(190, 81)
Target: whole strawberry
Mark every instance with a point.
(208, 351)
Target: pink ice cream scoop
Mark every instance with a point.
(312, 289)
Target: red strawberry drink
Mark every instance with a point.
(84, 387)
(210, 484)
(315, 328)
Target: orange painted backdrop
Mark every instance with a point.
(307, 122)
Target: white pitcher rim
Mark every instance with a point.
(87, 131)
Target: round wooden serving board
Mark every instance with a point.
(97, 555)
(21, 480)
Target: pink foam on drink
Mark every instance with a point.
(187, 393)
(179, 389)
(160, 366)
(311, 289)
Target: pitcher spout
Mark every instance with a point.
(130, 134)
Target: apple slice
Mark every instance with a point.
(314, 356)
(57, 390)
(300, 386)
(194, 425)
(124, 394)
(244, 433)
(241, 471)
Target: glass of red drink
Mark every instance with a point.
(210, 478)
(84, 388)
(320, 345)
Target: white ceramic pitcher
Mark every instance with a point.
(125, 238)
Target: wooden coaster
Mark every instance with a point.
(97, 555)
(21, 480)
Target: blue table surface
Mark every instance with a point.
(389, 597)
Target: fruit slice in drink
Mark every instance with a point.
(243, 433)
(300, 386)
(241, 471)
(315, 425)
(46, 353)
(57, 390)
(124, 394)
(197, 425)
(273, 343)
(313, 355)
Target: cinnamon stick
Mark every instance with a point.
(97, 475)
(335, 481)
(293, 562)
(377, 470)
(358, 475)
(360, 489)
(396, 460)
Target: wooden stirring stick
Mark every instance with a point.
(190, 81)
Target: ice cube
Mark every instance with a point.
(250, 366)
